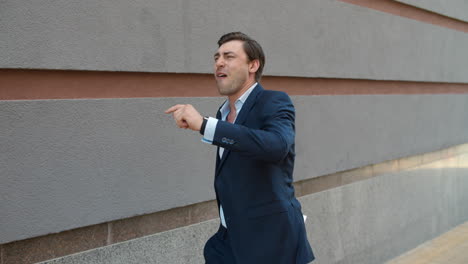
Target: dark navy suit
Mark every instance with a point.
(253, 183)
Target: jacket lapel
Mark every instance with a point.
(248, 104)
(241, 118)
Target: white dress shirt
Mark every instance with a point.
(210, 129)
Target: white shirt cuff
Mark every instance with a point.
(210, 129)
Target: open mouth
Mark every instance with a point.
(221, 75)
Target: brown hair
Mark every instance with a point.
(251, 47)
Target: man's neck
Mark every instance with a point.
(233, 98)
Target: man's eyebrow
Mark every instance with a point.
(224, 53)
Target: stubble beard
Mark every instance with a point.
(229, 88)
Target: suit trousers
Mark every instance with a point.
(218, 248)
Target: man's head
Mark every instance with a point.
(239, 61)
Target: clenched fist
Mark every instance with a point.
(186, 116)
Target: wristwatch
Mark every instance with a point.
(203, 125)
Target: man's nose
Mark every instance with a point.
(219, 62)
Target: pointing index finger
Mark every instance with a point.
(173, 109)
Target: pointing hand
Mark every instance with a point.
(186, 116)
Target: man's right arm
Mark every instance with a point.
(271, 142)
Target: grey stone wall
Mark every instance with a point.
(71, 163)
(319, 38)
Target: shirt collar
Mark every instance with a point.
(239, 102)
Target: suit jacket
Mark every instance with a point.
(253, 181)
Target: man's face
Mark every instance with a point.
(231, 67)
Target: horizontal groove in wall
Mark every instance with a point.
(68, 242)
(55, 84)
(412, 12)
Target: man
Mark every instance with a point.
(261, 220)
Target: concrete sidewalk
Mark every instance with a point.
(449, 248)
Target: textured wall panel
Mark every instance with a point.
(72, 163)
(301, 38)
(66, 164)
(335, 133)
(365, 222)
(454, 8)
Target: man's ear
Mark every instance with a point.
(253, 66)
